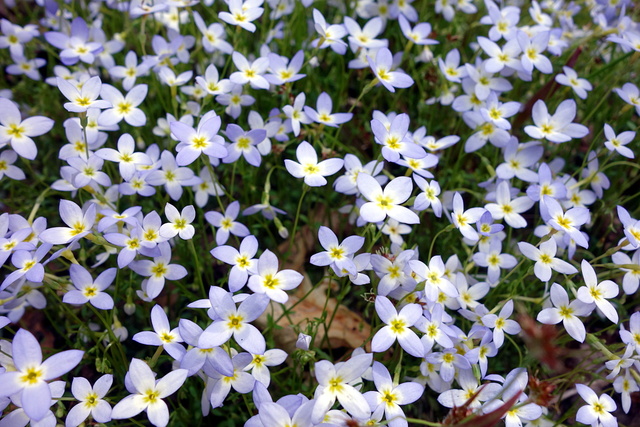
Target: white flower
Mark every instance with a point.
(179, 223)
(309, 168)
(598, 293)
(386, 202)
(597, 408)
(148, 393)
(565, 312)
(545, 258)
(570, 78)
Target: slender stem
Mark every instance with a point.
(433, 241)
(155, 357)
(198, 272)
(305, 189)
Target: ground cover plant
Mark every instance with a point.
(304, 213)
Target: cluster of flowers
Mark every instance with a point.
(431, 307)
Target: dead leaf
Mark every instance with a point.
(348, 328)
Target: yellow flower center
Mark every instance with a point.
(235, 322)
(15, 130)
(398, 326)
(159, 270)
(243, 143)
(90, 291)
(32, 376)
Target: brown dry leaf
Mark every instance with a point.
(348, 328)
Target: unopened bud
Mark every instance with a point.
(304, 341)
(129, 308)
(282, 230)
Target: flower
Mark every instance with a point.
(258, 365)
(598, 410)
(235, 100)
(451, 67)
(322, 113)
(31, 373)
(147, 393)
(158, 270)
(76, 45)
(386, 202)
(557, 128)
(397, 327)
(435, 278)
(309, 168)
(428, 196)
(296, 113)
(570, 78)
(501, 324)
(532, 48)
(203, 139)
(250, 73)
(162, 334)
(618, 142)
(227, 223)
(82, 98)
(497, 112)
(568, 221)
(338, 256)
(230, 321)
(242, 261)
(245, 144)
(196, 357)
(463, 219)
(125, 156)
(88, 290)
(334, 383)
(91, 401)
(179, 222)
(17, 132)
(7, 158)
(509, 209)
(285, 71)
(394, 139)
(171, 176)
(242, 13)
(598, 293)
(494, 260)
(330, 35)
(418, 34)
(213, 36)
(389, 395)
(469, 387)
(381, 68)
(130, 71)
(219, 385)
(501, 57)
(565, 312)
(274, 415)
(631, 227)
(268, 280)
(168, 77)
(517, 160)
(79, 224)
(545, 258)
(211, 81)
(449, 359)
(629, 94)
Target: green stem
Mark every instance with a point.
(447, 229)
(305, 189)
(156, 355)
(198, 272)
